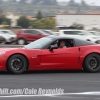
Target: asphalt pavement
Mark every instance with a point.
(77, 85)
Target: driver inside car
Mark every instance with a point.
(62, 44)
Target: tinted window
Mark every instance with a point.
(8, 32)
(72, 32)
(84, 43)
(77, 32)
(68, 32)
(31, 31)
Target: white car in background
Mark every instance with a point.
(80, 34)
(8, 35)
(49, 32)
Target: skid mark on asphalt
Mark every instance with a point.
(56, 95)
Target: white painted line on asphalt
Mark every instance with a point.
(56, 95)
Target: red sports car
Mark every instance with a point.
(45, 54)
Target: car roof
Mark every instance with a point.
(59, 37)
(72, 30)
(29, 29)
(80, 42)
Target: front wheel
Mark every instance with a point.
(16, 64)
(92, 63)
(21, 41)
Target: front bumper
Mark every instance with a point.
(11, 39)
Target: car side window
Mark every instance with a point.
(77, 32)
(27, 31)
(72, 32)
(68, 43)
(68, 32)
(31, 31)
(35, 32)
(4, 31)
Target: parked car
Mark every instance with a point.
(8, 35)
(25, 36)
(49, 32)
(56, 33)
(95, 33)
(80, 34)
(2, 40)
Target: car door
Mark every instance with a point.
(64, 58)
(28, 35)
(32, 35)
(36, 34)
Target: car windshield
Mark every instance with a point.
(48, 32)
(95, 33)
(87, 33)
(38, 44)
(8, 32)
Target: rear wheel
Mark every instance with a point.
(16, 64)
(92, 63)
(21, 41)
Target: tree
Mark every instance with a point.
(4, 23)
(47, 23)
(4, 19)
(1, 12)
(78, 26)
(45, 2)
(39, 15)
(83, 3)
(38, 24)
(23, 22)
(71, 3)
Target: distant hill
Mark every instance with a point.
(45, 2)
(42, 2)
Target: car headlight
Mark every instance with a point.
(2, 53)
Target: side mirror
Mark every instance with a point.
(51, 49)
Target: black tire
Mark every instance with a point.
(92, 63)
(16, 64)
(3, 42)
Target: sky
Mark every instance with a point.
(97, 2)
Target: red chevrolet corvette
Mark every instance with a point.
(45, 54)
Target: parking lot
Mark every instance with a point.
(77, 85)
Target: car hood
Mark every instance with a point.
(17, 49)
(7, 35)
(8, 49)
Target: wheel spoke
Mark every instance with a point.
(17, 64)
(93, 63)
